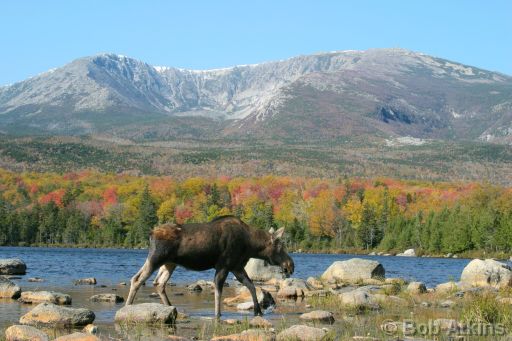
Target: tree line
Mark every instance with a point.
(118, 210)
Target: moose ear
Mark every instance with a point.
(278, 234)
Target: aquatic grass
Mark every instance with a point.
(486, 309)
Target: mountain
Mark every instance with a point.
(386, 93)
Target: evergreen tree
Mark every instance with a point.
(146, 218)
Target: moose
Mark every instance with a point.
(225, 244)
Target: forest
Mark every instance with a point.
(94, 209)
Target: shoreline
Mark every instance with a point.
(357, 252)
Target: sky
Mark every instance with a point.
(40, 35)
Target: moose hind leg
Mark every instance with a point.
(140, 277)
(243, 278)
(220, 278)
(164, 274)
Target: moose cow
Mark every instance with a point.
(225, 244)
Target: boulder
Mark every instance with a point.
(149, 313)
(90, 329)
(292, 287)
(78, 337)
(359, 299)
(301, 333)
(109, 298)
(32, 297)
(486, 273)
(260, 271)
(416, 288)
(315, 283)
(248, 335)
(447, 288)
(12, 266)
(318, 316)
(265, 299)
(260, 322)
(407, 253)
(354, 270)
(385, 299)
(86, 281)
(8, 289)
(51, 314)
(25, 333)
(200, 286)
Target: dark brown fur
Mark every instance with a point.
(225, 244)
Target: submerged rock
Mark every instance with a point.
(110, 298)
(149, 313)
(319, 316)
(9, 289)
(301, 333)
(86, 281)
(12, 266)
(78, 337)
(51, 314)
(244, 299)
(35, 279)
(486, 273)
(354, 270)
(32, 297)
(260, 271)
(25, 333)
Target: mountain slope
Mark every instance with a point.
(383, 92)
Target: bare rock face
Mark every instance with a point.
(9, 289)
(149, 313)
(318, 316)
(12, 266)
(109, 298)
(354, 270)
(486, 273)
(260, 271)
(55, 315)
(32, 297)
(25, 333)
(78, 337)
(301, 333)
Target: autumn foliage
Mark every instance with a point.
(105, 209)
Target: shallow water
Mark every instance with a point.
(59, 267)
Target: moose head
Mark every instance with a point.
(275, 252)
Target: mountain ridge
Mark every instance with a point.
(393, 92)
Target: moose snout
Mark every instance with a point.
(288, 267)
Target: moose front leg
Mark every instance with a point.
(164, 273)
(220, 278)
(243, 278)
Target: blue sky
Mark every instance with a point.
(39, 35)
